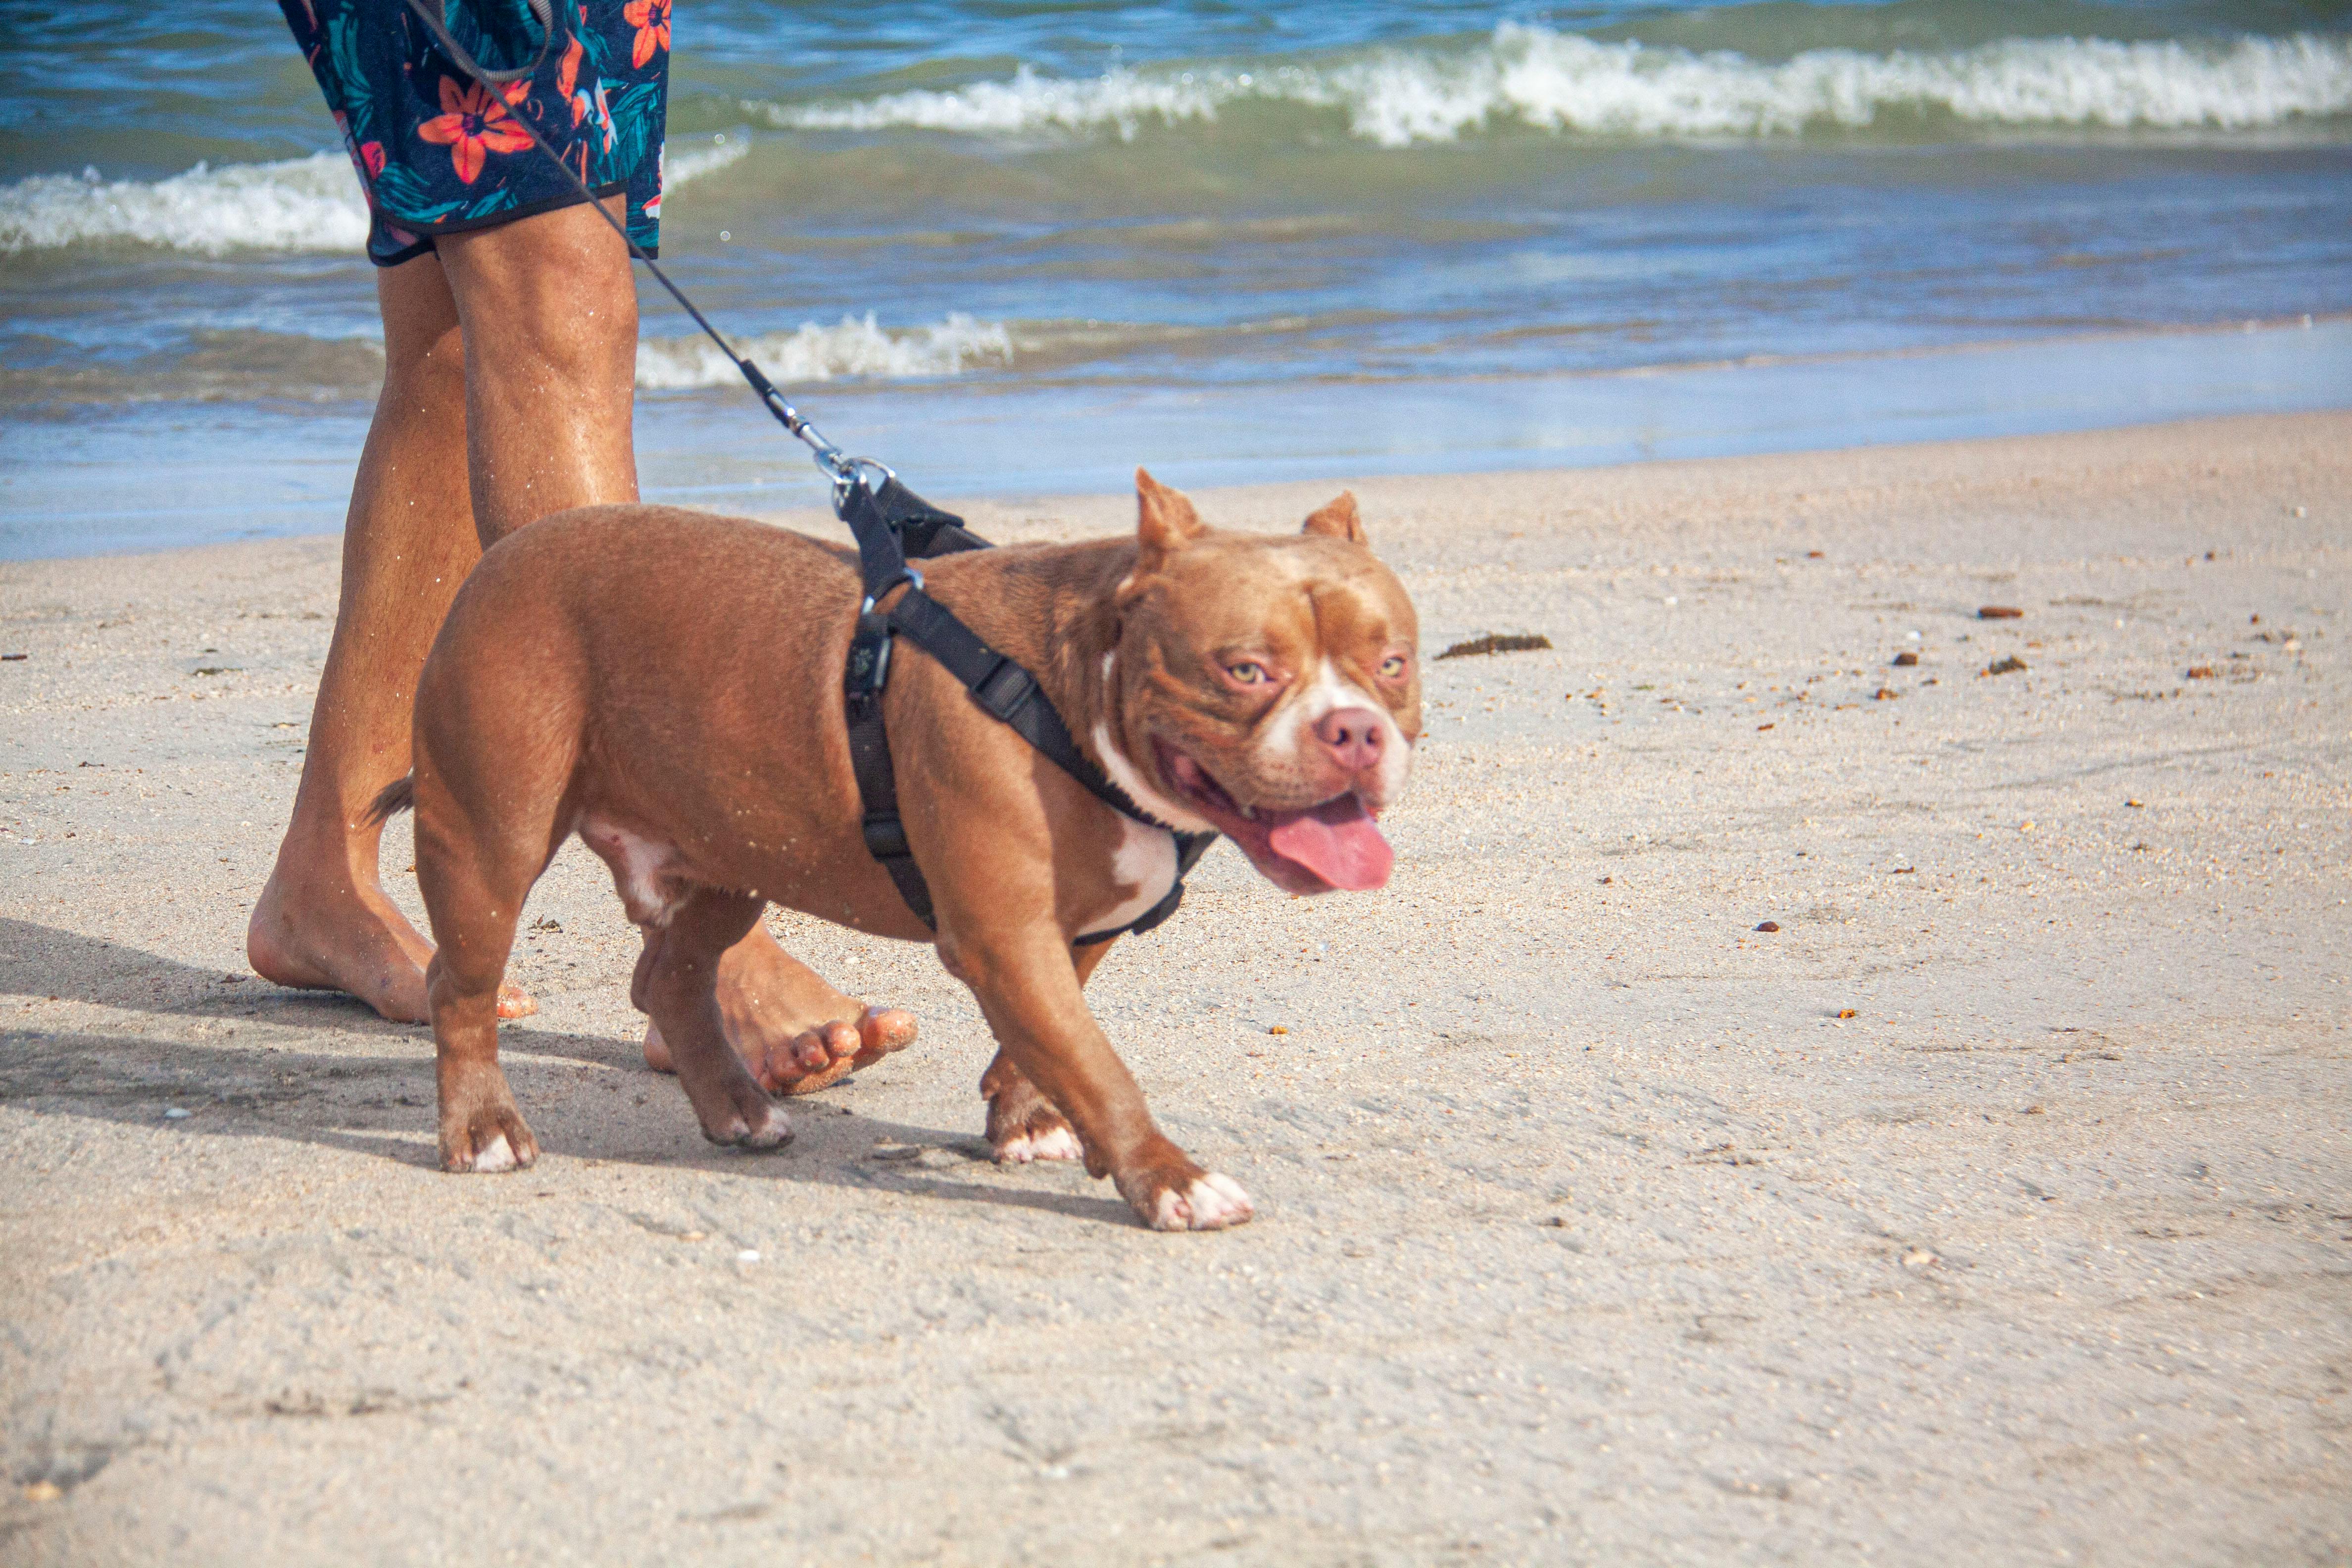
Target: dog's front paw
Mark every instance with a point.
(1203, 1200)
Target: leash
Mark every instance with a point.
(892, 525)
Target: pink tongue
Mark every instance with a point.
(1338, 842)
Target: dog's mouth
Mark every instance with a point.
(1314, 849)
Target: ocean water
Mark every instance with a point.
(1023, 245)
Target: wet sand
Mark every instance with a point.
(1996, 1208)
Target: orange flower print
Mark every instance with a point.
(568, 76)
(651, 20)
(471, 123)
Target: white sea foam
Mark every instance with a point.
(296, 205)
(853, 348)
(299, 204)
(684, 160)
(1561, 82)
(1120, 99)
(1535, 77)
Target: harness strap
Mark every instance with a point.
(1011, 695)
(891, 523)
(869, 758)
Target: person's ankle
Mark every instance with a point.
(313, 867)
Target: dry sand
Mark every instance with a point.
(1996, 1209)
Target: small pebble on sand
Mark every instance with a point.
(1276, 1029)
(2000, 613)
(1846, 1013)
(1885, 694)
(1918, 1257)
(1905, 659)
(43, 1491)
(1769, 925)
(175, 1114)
(2200, 672)
(2009, 666)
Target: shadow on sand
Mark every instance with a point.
(229, 1064)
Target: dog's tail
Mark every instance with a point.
(397, 797)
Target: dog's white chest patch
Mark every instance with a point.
(1144, 860)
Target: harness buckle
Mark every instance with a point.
(1003, 689)
(869, 670)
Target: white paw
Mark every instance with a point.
(497, 1155)
(1059, 1144)
(772, 1132)
(1212, 1202)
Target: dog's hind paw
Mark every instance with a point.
(497, 1154)
(1212, 1202)
(757, 1127)
(1023, 1125)
(494, 1141)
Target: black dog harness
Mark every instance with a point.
(892, 523)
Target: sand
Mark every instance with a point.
(1996, 1208)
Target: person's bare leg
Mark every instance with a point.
(525, 368)
(548, 428)
(473, 434)
(551, 332)
(322, 921)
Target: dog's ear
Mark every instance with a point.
(1337, 520)
(1165, 523)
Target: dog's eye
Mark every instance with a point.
(1392, 667)
(1248, 672)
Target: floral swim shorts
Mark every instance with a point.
(438, 154)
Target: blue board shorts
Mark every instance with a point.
(438, 154)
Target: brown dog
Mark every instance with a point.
(668, 685)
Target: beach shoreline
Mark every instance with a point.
(1993, 1208)
(138, 477)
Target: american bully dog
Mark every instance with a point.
(668, 685)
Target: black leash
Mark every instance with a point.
(891, 524)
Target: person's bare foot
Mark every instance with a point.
(795, 1033)
(341, 933)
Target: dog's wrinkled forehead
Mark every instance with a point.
(1296, 596)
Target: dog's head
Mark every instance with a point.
(1268, 687)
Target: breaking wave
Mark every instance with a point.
(299, 204)
(855, 348)
(1542, 79)
(294, 204)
